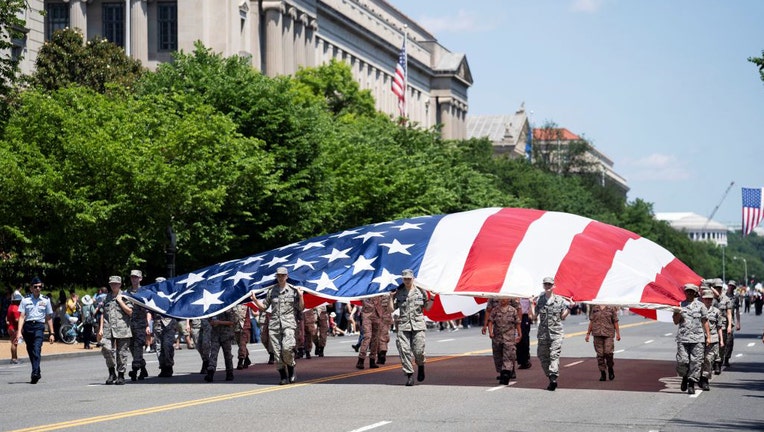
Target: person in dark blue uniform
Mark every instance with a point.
(35, 312)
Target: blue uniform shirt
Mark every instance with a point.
(35, 309)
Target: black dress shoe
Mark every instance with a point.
(409, 380)
(35, 378)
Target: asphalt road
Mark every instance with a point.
(459, 393)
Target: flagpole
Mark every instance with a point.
(406, 72)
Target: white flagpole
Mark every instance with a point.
(406, 72)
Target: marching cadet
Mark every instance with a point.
(139, 326)
(221, 335)
(733, 323)
(504, 331)
(692, 318)
(322, 321)
(114, 331)
(551, 310)
(242, 329)
(711, 351)
(309, 329)
(200, 333)
(263, 319)
(411, 302)
(164, 335)
(373, 312)
(384, 333)
(286, 302)
(603, 324)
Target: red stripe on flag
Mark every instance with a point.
(647, 313)
(669, 284)
(437, 313)
(589, 259)
(492, 251)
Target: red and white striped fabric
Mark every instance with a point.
(508, 251)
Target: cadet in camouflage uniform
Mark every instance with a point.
(322, 321)
(551, 310)
(504, 331)
(411, 301)
(200, 333)
(724, 304)
(603, 324)
(733, 324)
(384, 335)
(221, 335)
(285, 302)
(309, 329)
(373, 312)
(139, 325)
(114, 331)
(264, 319)
(711, 351)
(164, 335)
(693, 333)
(242, 328)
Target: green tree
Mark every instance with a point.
(101, 178)
(333, 83)
(11, 29)
(66, 59)
(758, 61)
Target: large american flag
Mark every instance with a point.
(399, 80)
(463, 257)
(753, 209)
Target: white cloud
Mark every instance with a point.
(589, 6)
(463, 21)
(659, 167)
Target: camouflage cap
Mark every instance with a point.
(691, 287)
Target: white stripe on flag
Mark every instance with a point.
(455, 303)
(544, 246)
(449, 247)
(624, 282)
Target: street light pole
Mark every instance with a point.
(745, 266)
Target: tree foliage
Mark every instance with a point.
(66, 59)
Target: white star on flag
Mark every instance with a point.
(336, 254)
(223, 273)
(150, 303)
(208, 299)
(397, 247)
(345, 233)
(193, 278)
(407, 226)
(324, 283)
(239, 276)
(363, 263)
(277, 260)
(369, 235)
(301, 263)
(312, 245)
(251, 259)
(385, 279)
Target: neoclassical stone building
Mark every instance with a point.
(279, 36)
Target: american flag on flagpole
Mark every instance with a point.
(753, 209)
(491, 252)
(399, 79)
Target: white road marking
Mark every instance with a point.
(619, 351)
(496, 388)
(573, 364)
(649, 341)
(668, 334)
(738, 355)
(697, 393)
(751, 344)
(372, 426)
(446, 340)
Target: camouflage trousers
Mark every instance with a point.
(265, 338)
(710, 356)
(689, 358)
(115, 352)
(219, 340)
(137, 345)
(411, 344)
(729, 343)
(164, 335)
(200, 333)
(384, 334)
(548, 353)
(370, 342)
(242, 338)
(504, 354)
(283, 342)
(321, 332)
(604, 347)
(309, 330)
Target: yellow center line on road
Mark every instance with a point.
(230, 396)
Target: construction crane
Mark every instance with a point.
(732, 183)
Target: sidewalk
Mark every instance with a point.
(48, 350)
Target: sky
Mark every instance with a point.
(663, 88)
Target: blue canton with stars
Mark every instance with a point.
(348, 265)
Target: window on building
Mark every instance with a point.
(56, 18)
(168, 26)
(114, 23)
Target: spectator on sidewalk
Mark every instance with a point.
(12, 323)
(35, 313)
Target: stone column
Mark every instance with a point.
(311, 52)
(78, 16)
(273, 45)
(288, 38)
(139, 31)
